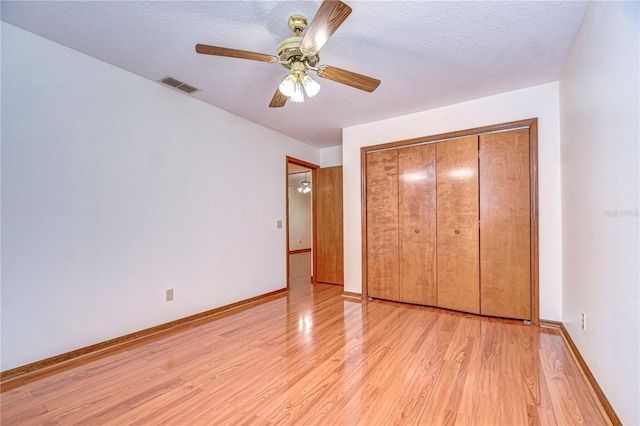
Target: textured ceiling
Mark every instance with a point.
(427, 54)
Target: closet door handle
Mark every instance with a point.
(417, 231)
(457, 231)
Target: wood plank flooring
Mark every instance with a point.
(299, 269)
(312, 356)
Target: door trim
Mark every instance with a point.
(532, 124)
(314, 251)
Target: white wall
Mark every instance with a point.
(600, 116)
(331, 156)
(115, 188)
(539, 101)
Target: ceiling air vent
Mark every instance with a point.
(177, 84)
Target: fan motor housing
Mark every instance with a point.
(289, 51)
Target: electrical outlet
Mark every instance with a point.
(279, 224)
(584, 321)
(169, 295)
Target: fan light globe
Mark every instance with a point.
(287, 86)
(311, 87)
(297, 95)
(305, 186)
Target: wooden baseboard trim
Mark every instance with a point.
(556, 325)
(590, 380)
(307, 250)
(352, 295)
(19, 376)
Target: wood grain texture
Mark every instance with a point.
(505, 245)
(352, 295)
(233, 53)
(359, 81)
(457, 224)
(417, 222)
(535, 255)
(315, 357)
(532, 124)
(441, 137)
(592, 384)
(458, 275)
(279, 100)
(382, 225)
(329, 234)
(46, 367)
(304, 250)
(364, 243)
(299, 269)
(328, 19)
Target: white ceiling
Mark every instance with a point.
(427, 54)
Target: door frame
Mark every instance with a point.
(532, 124)
(313, 167)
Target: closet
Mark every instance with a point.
(448, 223)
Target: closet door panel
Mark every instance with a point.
(417, 224)
(457, 164)
(382, 225)
(458, 270)
(457, 224)
(505, 224)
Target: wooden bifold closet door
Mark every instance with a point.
(505, 215)
(458, 275)
(383, 264)
(448, 224)
(417, 224)
(402, 224)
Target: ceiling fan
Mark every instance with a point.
(300, 54)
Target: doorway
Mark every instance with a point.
(300, 223)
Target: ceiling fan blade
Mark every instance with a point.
(349, 78)
(234, 53)
(330, 16)
(278, 100)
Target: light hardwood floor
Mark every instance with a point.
(314, 356)
(299, 269)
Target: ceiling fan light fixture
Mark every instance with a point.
(305, 186)
(301, 53)
(311, 87)
(288, 85)
(297, 95)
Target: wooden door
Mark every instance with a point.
(505, 257)
(417, 224)
(382, 225)
(457, 216)
(329, 229)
